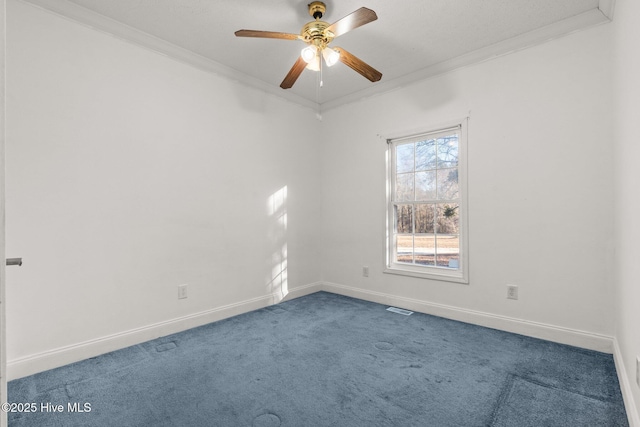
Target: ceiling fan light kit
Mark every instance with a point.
(318, 34)
(309, 53)
(331, 57)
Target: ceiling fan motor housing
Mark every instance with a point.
(314, 33)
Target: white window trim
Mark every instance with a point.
(460, 275)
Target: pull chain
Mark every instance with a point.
(320, 60)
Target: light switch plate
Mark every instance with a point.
(182, 291)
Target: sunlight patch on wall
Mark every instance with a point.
(277, 284)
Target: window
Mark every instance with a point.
(426, 225)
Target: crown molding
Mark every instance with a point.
(505, 47)
(101, 23)
(607, 7)
(79, 14)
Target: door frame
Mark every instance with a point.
(3, 341)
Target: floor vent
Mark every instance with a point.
(400, 311)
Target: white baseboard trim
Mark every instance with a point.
(61, 356)
(544, 331)
(301, 291)
(625, 386)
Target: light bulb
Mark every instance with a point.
(314, 65)
(330, 56)
(309, 53)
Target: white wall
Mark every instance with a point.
(626, 66)
(129, 173)
(540, 190)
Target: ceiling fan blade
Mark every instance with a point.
(294, 73)
(358, 65)
(353, 20)
(267, 34)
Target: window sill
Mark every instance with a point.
(432, 273)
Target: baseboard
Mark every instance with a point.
(625, 386)
(301, 291)
(55, 358)
(33, 364)
(553, 333)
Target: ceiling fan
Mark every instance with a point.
(318, 34)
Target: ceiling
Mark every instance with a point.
(411, 40)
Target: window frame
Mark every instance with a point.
(461, 274)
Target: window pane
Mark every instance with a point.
(448, 151)
(448, 251)
(426, 185)
(404, 158)
(448, 218)
(448, 184)
(448, 239)
(404, 218)
(404, 187)
(426, 234)
(426, 155)
(425, 218)
(425, 249)
(404, 248)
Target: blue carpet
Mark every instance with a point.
(517, 410)
(329, 360)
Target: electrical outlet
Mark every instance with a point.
(512, 292)
(365, 271)
(182, 291)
